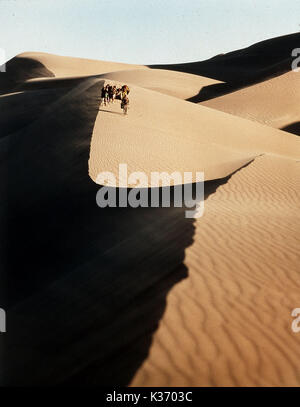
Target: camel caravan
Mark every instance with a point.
(110, 93)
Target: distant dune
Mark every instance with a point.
(145, 296)
(274, 102)
(257, 62)
(69, 66)
(215, 143)
(172, 83)
(229, 320)
(244, 67)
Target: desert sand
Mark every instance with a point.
(232, 312)
(145, 296)
(253, 102)
(215, 143)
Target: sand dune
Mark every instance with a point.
(257, 62)
(145, 296)
(172, 83)
(161, 131)
(273, 102)
(69, 66)
(230, 321)
(182, 86)
(241, 68)
(33, 65)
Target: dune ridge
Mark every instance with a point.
(257, 62)
(273, 102)
(230, 320)
(145, 296)
(216, 143)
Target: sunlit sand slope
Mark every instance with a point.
(229, 322)
(274, 102)
(163, 133)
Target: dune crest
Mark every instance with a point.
(257, 62)
(229, 323)
(145, 296)
(273, 102)
(161, 131)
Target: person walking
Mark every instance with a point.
(103, 98)
(125, 104)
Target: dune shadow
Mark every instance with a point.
(20, 69)
(220, 89)
(262, 60)
(241, 68)
(84, 287)
(213, 91)
(110, 111)
(293, 128)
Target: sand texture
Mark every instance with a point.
(145, 296)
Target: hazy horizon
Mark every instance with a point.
(155, 32)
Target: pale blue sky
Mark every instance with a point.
(142, 31)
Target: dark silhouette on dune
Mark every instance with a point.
(20, 69)
(241, 68)
(213, 91)
(110, 111)
(77, 276)
(259, 61)
(293, 128)
(84, 287)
